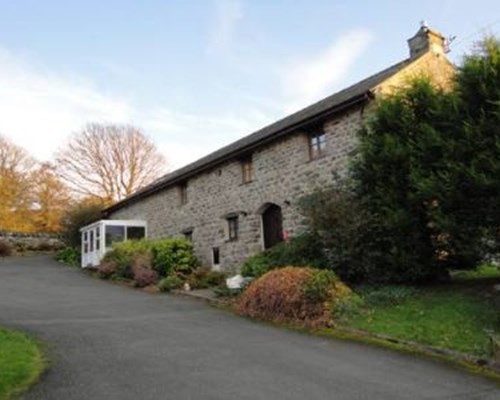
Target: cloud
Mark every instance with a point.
(186, 136)
(39, 109)
(309, 80)
(228, 14)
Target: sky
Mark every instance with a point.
(195, 75)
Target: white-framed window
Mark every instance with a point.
(317, 144)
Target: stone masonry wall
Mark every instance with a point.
(283, 172)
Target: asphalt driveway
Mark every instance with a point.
(109, 342)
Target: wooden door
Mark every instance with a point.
(272, 222)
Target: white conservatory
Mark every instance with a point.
(98, 237)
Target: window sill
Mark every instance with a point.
(246, 183)
(317, 158)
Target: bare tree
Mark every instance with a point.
(109, 162)
(16, 177)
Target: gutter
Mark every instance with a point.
(364, 97)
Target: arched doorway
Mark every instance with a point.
(272, 225)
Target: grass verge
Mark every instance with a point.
(21, 363)
(459, 316)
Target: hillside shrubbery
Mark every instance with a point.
(294, 294)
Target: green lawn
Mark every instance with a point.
(21, 363)
(456, 316)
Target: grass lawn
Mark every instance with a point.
(456, 316)
(21, 363)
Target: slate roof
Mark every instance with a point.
(355, 94)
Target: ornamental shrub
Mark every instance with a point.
(165, 256)
(169, 283)
(202, 278)
(144, 277)
(69, 255)
(293, 294)
(173, 255)
(303, 250)
(106, 269)
(143, 274)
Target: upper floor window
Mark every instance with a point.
(247, 170)
(232, 224)
(183, 197)
(317, 144)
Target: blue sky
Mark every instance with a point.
(196, 75)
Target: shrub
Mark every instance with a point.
(5, 249)
(106, 269)
(303, 250)
(173, 255)
(202, 278)
(145, 277)
(165, 256)
(293, 294)
(318, 287)
(143, 274)
(169, 283)
(69, 256)
(343, 227)
(256, 266)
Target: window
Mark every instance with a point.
(114, 234)
(183, 198)
(188, 235)
(85, 242)
(91, 240)
(97, 238)
(232, 224)
(215, 256)
(136, 232)
(247, 170)
(317, 144)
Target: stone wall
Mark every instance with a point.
(31, 242)
(283, 172)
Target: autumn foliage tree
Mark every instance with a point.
(109, 162)
(16, 175)
(51, 199)
(33, 198)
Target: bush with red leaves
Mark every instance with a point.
(106, 269)
(292, 294)
(144, 274)
(144, 277)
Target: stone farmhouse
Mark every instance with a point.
(240, 199)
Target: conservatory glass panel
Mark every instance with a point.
(136, 232)
(114, 234)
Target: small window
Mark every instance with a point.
(247, 170)
(183, 198)
(232, 224)
(188, 235)
(91, 240)
(136, 232)
(85, 242)
(317, 144)
(215, 256)
(97, 238)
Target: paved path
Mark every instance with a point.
(109, 342)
